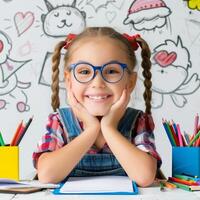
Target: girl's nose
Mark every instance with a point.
(98, 81)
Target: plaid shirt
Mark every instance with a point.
(56, 137)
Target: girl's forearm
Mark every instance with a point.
(140, 166)
(54, 166)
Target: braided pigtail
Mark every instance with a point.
(146, 65)
(55, 101)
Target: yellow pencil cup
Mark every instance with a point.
(9, 162)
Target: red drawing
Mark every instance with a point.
(1, 46)
(164, 59)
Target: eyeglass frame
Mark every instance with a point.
(99, 68)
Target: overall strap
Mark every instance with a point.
(70, 122)
(128, 121)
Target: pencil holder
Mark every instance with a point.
(9, 162)
(186, 160)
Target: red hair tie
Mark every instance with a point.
(132, 40)
(68, 40)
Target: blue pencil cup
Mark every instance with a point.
(186, 160)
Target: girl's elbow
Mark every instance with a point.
(45, 177)
(144, 180)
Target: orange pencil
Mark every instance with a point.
(16, 133)
(169, 185)
(19, 135)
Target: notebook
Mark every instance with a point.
(10, 184)
(97, 185)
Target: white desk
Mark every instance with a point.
(152, 193)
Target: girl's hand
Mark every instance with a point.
(81, 113)
(117, 110)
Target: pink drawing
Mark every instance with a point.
(23, 21)
(25, 49)
(1, 46)
(164, 59)
(147, 14)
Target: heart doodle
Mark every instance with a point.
(23, 21)
(164, 59)
(1, 46)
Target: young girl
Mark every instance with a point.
(98, 134)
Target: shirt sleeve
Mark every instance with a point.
(143, 136)
(54, 138)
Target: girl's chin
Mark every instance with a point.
(98, 112)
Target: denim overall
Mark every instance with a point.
(103, 163)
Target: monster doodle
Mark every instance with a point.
(10, 85)
(171, 61)
(62, 20)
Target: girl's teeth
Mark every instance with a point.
(97, 97)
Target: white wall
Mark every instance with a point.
(25, 70)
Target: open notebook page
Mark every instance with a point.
(97, 184)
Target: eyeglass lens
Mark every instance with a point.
(112, 72)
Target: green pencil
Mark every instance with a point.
(182, 186)
(2, 143)
(194, 139)
(162, 187)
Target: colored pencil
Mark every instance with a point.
(16, 133)
(186, 136)
(24, 131)
(186, 182)
(173, 133)
(196, 124)
(167, 130)
(169, 185)
(2, 143)
(179, 135)
(194, 139)
(182, 186)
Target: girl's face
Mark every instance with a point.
(97, 96)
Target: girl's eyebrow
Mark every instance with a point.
(84, 61)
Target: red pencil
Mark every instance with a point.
(22, 133)
(16, 133)
(174, 134)
(186, 182)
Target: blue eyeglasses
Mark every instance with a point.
(111, 72)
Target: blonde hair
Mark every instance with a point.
(111, 33)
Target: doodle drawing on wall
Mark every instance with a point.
(194, 4)
(171, 61)
(62, 20)
(23, 21)
(45, 74)
(148, 15)
(11, 88)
